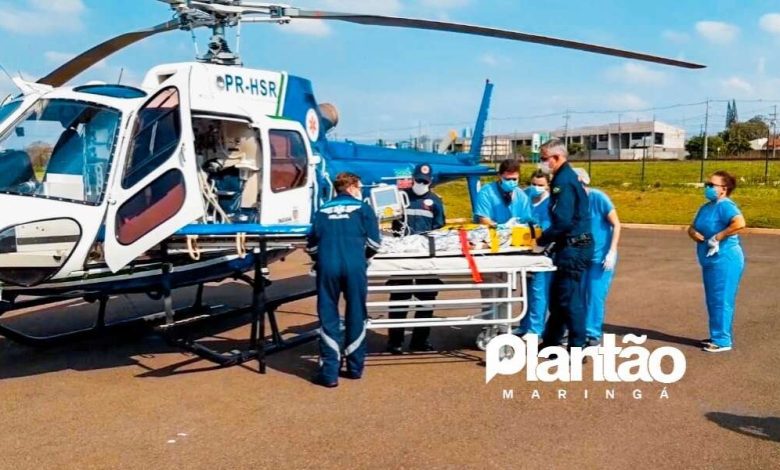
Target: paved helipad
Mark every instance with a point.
(137, 403)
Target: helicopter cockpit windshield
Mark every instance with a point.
(59, 149)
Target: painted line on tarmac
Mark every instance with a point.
(749, 230)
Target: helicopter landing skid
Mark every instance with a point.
(180, 333)
(177, 326)
(137, 324)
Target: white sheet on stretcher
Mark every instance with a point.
(449, 263)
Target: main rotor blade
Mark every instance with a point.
(378, 20)
(78, 64)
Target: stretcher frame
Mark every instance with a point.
(508, 284)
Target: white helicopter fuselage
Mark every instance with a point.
(95, 178)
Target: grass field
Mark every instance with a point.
(668, 195)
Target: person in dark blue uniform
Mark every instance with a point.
(570, 232)
(340, 226)
(425, 213)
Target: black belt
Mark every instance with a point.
(580, 240)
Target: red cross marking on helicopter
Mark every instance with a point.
(313, 124)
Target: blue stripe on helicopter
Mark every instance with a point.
(249, 229)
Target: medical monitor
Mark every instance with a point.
(387, 202)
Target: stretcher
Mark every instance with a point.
(499, 278)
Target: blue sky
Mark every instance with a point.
(393, 83)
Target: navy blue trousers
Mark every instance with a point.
(333, 280)
(568, 307)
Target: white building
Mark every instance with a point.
(615, 141)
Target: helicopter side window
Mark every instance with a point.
(59, 149)
(150, 207)
(288, 160)
(155, 137)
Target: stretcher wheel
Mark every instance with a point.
(484, 337)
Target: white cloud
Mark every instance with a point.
(42, 16)
(59, 6)
(308, 27)
(58, 58)
(635, 73)
(321, 28)
(770, 23)
(736, 85)
(626, 101)
(378, 7)
(717, 32)
(675, 36)
(493, 60)
(445, 4)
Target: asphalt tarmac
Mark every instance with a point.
(135, 402)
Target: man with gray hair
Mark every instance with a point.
(571, 240)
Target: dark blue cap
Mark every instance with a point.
(423, 172)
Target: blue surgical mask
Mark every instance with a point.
(534, 191)
(508, 185)
(711, 193)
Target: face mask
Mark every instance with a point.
(545, 168)
(534, 191)
(508, 185)
(420, 188)
(711, 193)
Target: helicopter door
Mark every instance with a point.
(286, 194)
(157, 191)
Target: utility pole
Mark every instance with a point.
(566, 129)
(704, 155)
(772, 140)
(653, 141)
(620, 138)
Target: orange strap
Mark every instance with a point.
(464, 247)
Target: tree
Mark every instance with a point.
(755, 128)
(731, 114)
(737, 145)
(39, 153)
(575, 148)
(523, 152)
(695, 146)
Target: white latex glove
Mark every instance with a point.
(714, 245)
(610, 260)
(507, 225)
(538, 249)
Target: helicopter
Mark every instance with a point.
(108, 189)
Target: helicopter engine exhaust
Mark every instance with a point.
(330, 116)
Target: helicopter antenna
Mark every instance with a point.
(119, 80)
(8, 75)
(238, 39)
(195, 42)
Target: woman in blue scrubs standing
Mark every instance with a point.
(718, 248)
(538, 192)
(606, 228)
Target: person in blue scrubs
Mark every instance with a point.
(605, 227)
(720, 255)
(345, 232)
(503, 201)
(538, 191)
(499, 205)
